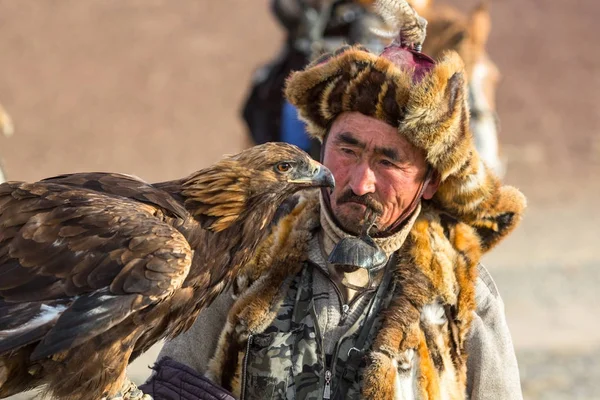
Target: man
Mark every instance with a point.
(373, 290)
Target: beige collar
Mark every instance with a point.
(390, 244)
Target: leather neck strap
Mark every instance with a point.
(349, 374)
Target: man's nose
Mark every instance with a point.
(362, 180)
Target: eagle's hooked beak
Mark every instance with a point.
(323, 177)
(319, 176)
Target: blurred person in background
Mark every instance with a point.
(373, 290)
(311, 27)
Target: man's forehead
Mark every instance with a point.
(368, 134)
(358, 129)
(390, 150)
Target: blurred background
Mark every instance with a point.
(155, 88)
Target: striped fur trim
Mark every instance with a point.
(423, 335)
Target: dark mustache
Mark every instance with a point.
(367, 200)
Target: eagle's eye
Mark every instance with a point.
(283, 167)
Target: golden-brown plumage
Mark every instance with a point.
(97, 267)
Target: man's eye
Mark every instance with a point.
(348, 151)
(387, 163)
(283, 167)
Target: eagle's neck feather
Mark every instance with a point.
(218, 195)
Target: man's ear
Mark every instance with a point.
(432, 186)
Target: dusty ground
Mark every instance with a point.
(153, 88)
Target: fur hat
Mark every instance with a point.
(425, 100)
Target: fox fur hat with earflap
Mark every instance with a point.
(425, 99)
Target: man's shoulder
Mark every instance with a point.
(486, 291)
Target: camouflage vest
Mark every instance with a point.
(287, 360)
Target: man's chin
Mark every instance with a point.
(350, 217)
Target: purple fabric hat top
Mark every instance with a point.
(407, 58)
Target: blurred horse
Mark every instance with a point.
(468, 34)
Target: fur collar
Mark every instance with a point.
(419, 350)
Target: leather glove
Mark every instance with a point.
(175, 381)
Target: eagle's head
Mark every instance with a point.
(253, 183)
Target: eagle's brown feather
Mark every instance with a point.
(104, 265)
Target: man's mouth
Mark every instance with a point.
(367, 201)
(355, 204)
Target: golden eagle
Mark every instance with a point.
(97, 267)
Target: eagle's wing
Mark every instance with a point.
(74, 262)
(123, 185)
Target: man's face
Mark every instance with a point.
(372, 164)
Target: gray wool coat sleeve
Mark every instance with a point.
(195, 347)
(492, 370)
